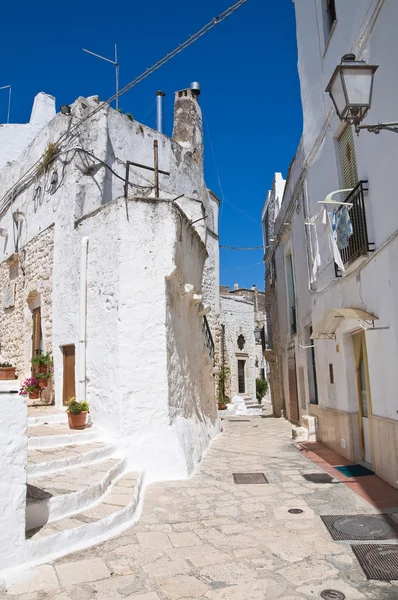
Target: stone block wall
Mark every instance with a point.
(30, 273)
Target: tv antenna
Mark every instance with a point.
(116, 64)
(4, 87)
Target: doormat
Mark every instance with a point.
(378, 561)
(361, 527)
(249, 478)
(354, 471)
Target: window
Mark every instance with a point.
(291, 294)
(241, 376)
(331, 373)
(312, 382)
(329, 16)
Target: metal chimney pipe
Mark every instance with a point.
(159, 111)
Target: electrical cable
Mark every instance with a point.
(193, 38)
(242, 248)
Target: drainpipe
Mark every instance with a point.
(81, 391)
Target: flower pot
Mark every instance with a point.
(7, 373)
(43, 383)
(222, 406)
(77, 421)
(42, 368)
(34, 395)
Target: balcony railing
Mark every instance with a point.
(358, 244)
(209, 343)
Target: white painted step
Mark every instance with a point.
(7, 385)
(111, 517)
(53, 435)
(43, 461)
(57, 495)
(40, 415)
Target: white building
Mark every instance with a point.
(344, 295)
(113, 273)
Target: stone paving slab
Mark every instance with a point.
(41, 455)
(209, 538)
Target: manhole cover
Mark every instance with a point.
(378, 562)
(361, 527)
(332, 595)
(249, 478)
(295, 511)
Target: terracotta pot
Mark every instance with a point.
(77, 421)
(43, 383)
(222, 406)
(34, 395)
(7, 373)
(42, 368)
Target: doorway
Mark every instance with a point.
(69, 388)
(293, 394)
(364, 400)
(37, 336)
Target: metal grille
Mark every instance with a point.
(249, 478)
(331, 373)
(378, 561)
(361, 527)
(209, 343)
(358, 243)
(293, 395)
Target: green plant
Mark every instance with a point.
(5, 365)
(48, 157)
(42, 360)
(29, 386)
(43, 376)
(77, 407)
(261, 388)
(223, 375)
(130, 116)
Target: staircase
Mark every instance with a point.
(79, 492)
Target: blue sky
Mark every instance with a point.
(247, 68)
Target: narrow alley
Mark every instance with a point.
(208, 537)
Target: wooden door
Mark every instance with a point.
(37, 341)
(69, 373)
(364, 400)
(293, 395)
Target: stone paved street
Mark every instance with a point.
(211, 538)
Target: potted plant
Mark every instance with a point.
(42, 362)
(223, 399)
(77, 413)
(42, 379)
(261, 389)
(30, 386)
(7, 371)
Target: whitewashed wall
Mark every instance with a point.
(367, 28)
(238, 317)
(134, 247)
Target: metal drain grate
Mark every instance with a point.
(318, 478)
(249, 478)
(332, 595)
(238, 420)
(361, 527)
(378, 561)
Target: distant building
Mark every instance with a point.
(242, 317)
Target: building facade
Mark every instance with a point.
(243, 326)
(102, 267)
(340, 343)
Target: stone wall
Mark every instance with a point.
(30, 273)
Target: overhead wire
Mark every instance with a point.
(242, 248)
(193, 38)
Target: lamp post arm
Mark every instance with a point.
(393, 126)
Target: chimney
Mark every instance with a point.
(159, 111)
(236, 286)
(188, 131)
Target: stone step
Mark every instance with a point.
(51, 460)
(114, 514)
(57, 495)
(39, 415)
(7, 385)
(53, 435)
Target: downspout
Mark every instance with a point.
(81, 392)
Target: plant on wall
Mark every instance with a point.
(30, 386)
(261, 388)
(48, 157)
(223, 375)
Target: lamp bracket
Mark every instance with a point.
(393, 126)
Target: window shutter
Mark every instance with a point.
(348, 159)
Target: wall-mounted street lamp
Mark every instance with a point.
(18, 216)
(351, 89)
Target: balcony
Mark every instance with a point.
(358, 244)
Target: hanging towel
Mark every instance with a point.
(343, 228)
(327, 220)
